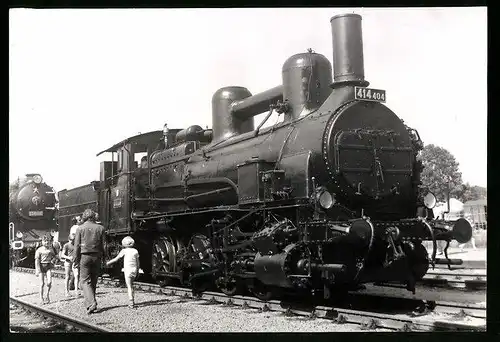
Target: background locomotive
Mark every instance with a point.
(325, 200)
(32, 214)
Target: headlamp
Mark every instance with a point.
(324, 198)
(37, 179)
(430, 200)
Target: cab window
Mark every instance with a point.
(137, 160)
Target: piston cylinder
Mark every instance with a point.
(276, 269)
(271, 269)
(348, 64)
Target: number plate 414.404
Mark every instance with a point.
(368, 94)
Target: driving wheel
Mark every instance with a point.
(163, 260)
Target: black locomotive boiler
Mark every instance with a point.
(32, 214)
(325, 200)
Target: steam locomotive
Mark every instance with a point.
(32, 214)
(325, 200)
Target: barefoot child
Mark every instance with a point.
(130, 257)
(44, 257)
(68, 256)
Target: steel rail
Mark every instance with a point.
(454, 274)
(71, 321)
(448, 278)
(369, 320)
(467, 264)
(473, 281)
(437, 280)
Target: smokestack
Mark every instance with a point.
(348, 64)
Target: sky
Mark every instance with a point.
(81, 80)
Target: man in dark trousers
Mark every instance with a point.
(89, 250)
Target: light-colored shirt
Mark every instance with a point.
(73, 229)
(130, 258)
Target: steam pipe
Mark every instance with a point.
(329, 267)
(348, 63)
(448, 261)
(256, 104)
(447, 201)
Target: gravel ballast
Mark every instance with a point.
(163, 313)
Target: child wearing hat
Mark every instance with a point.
(130, 257)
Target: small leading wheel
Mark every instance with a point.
(230, 288)
(419, 259)
(263, 292)
(162, 282)
(199, 286)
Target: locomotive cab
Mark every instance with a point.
(125, 182)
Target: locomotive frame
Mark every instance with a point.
(326, 200)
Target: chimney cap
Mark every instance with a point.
(345, 15)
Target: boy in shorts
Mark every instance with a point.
(68, 256)
(44, 257)
(130, 257)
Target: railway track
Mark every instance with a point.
(433, 316)
(473, 279)
(55, 319)
(444, 279)
(366, 319)
(468, 279)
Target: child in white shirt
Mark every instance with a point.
(130, 257)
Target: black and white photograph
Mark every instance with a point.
(247, 170)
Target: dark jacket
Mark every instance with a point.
(89, 238)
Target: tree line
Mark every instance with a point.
(441, 175)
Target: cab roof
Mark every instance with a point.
(140, 139)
